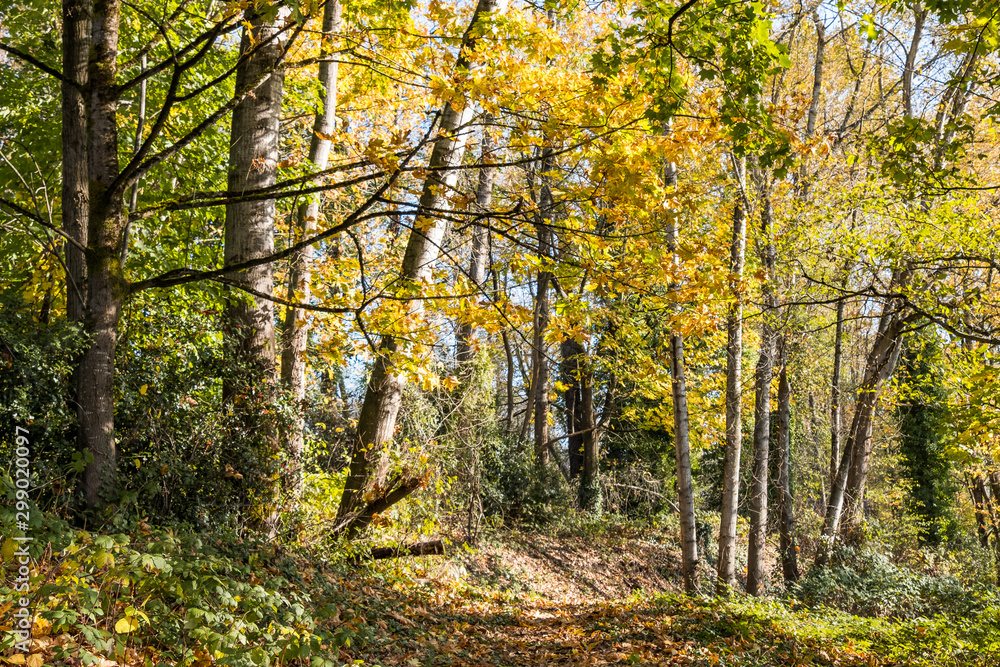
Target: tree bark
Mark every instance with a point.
(682, 441)
(879, 366)
(572, 372)
(540, 321)
(377, 421)
(295, 335)
(249, 227)
(480, 236)
(979, 509)
(75, 192)
(734, 369)
(786, 525)
(838, 356)
(590, 490)
(106, 287)
(762, 406)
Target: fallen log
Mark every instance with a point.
(430, 548)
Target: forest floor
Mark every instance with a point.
(524, 599)
(156, 598)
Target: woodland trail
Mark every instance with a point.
(461, 618)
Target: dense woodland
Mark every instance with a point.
(288, 288)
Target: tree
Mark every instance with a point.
(295, 335)
(249, 225)
(377, 420)
(734, 369)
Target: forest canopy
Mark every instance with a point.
(350, 275)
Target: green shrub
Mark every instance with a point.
(36, 365)
(865, 582)
(514, 487)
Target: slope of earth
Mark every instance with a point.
(533, 599)
(155, 598)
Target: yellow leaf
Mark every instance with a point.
(41, 627)
(8, 549)
(126, 624)
(143, 388)
(35, 660)
(16, 659)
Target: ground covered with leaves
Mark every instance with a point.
(155, 597)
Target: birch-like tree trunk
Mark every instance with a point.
(377, 421)
(682, 440)
(295, 334)
(734, 369)
(762, 405)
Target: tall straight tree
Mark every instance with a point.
(682, 440)
(105, 283)
(377, 421)
(295, 335)
(540, 318)
(479, 252)
(734, 369)
(253, 165)
(786, 505)
(762, 392)
(75, 204)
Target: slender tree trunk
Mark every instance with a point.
(572, 371)
(75, 193)
(295, 334)
(814, 437)
(682, 441)
(762, 406)
(509, 384)
(879, 367)
(734, 370)
(979, 508)
(590, 490)
(539, 356)
(786, 526)
(838, 356)
(106, 287)
(682, 454)
(377, 421)
(140, 124)
(480, 235)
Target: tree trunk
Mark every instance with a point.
(253, 164)
(480, 236)
(539, 356)
(572, 371)
(762, 407)
(838, 356)
(734, 369)
(590, 489)
(75, 193)
(879, 367)
(106, 287)
(682, 441)
(295, 335)
(682, 455)
(979, 508)
(786, 526)
(377, 421)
